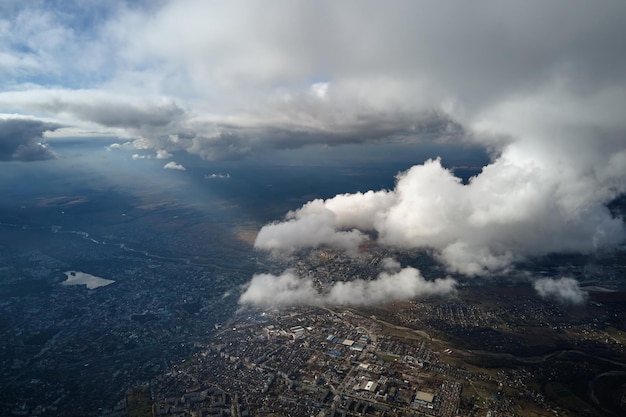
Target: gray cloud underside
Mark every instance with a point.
(107, 109)
(235, 79)
(21, 139)
(162, 124)
(288, 289)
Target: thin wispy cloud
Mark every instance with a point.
(216, 176)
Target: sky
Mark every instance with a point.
(541, 86)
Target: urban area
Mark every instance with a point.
(167, 337)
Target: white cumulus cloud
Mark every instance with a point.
(564, 290)
(174, 165)
(163, 154)
(522, 204)
(267, 290)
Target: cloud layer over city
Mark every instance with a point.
(288, 289)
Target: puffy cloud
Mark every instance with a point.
(285, 289)
(217, 176)
(563, 290)
(523, 204)
(160, 153)
(267, 290)
(163, 154)
(406, 284)
(311, 226)
(22, 139)
(174, 165)
(390, 265)
(124, 146)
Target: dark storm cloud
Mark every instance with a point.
(240, 80)
(22, 139)
(233, 141)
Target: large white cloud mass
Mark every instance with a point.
(267, 290)
(520, 205)
(563, 290)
